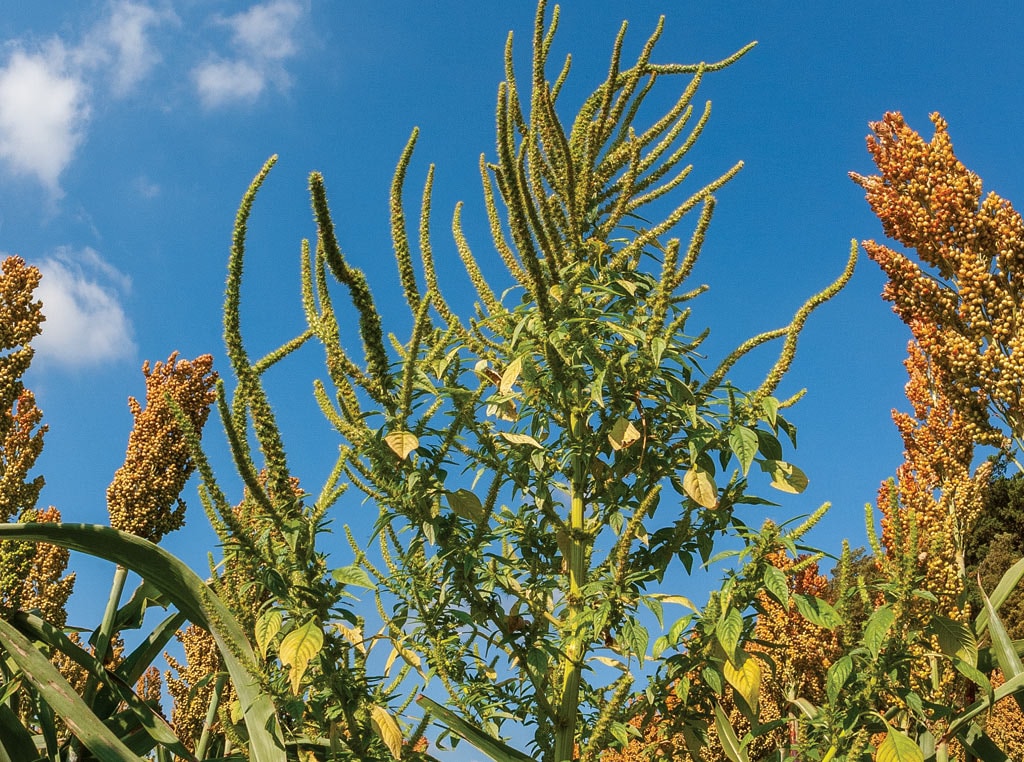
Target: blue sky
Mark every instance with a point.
(129, 130)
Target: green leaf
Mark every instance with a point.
(727, 736)
(817, 611)
(298, 648)
(192, 596)
(728, 632)
(743, 442)
(488, 744)
(353, 575)
(1002, 645)
(898, 747)
(770, 409)
(785, 476)
(1007, 584)
(267, 626)
(955, 639)
(56, 691)
(837, 676)
(877, 628)
(466, 505)
(700, 487)
(776, 585)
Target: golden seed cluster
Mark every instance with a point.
(144, 497)
(963, 306)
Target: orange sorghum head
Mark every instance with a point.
(144, 497)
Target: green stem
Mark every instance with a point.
(211, 716)
(105, 634)
(568, 703)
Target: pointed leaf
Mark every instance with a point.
(700, 487)
(728, 632)
(387, 729)
(521, 439)
(836, 677)
(191, 595)
(877, 628)
(745, 680)
(743, 442)
(727, 737)
(1007, 584)
(817, 611)
(353, 575)
(56, 691)
(785, 476)
(466, 505)
(955, 639)
(623, 434)
(897, 747)
(776, 585)
(510, 376)
(267, 626)
(298, 647)
(488, 744)
(402, 443)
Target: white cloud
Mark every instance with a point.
(120, 46)
(220, 82)
(263, 37)
(43, 112)
(85, 322)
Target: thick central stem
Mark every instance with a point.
(572, 661)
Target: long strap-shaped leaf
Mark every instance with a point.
(489, 745)
(192, 597)
(86, 726)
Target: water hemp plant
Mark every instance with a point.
(522, 457)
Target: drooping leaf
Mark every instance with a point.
(837, 675)
(745, 680)
(785, 476)
(877, 628)
(700, 487)
(776, 585)
(189, 593)
(623, 434)
(298, 648)
(466, 505)
(387, 729)
(488, 744)
(402, 443)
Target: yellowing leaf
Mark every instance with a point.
(745, 679)
(623, 434)
(466, 505)
(402, 443)
(898, 748)
(297, 649)
(267, 626)
(521, 439)
(353, 635)
(700, 487)
(510, 376)
(387, 730)
(785, 476)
